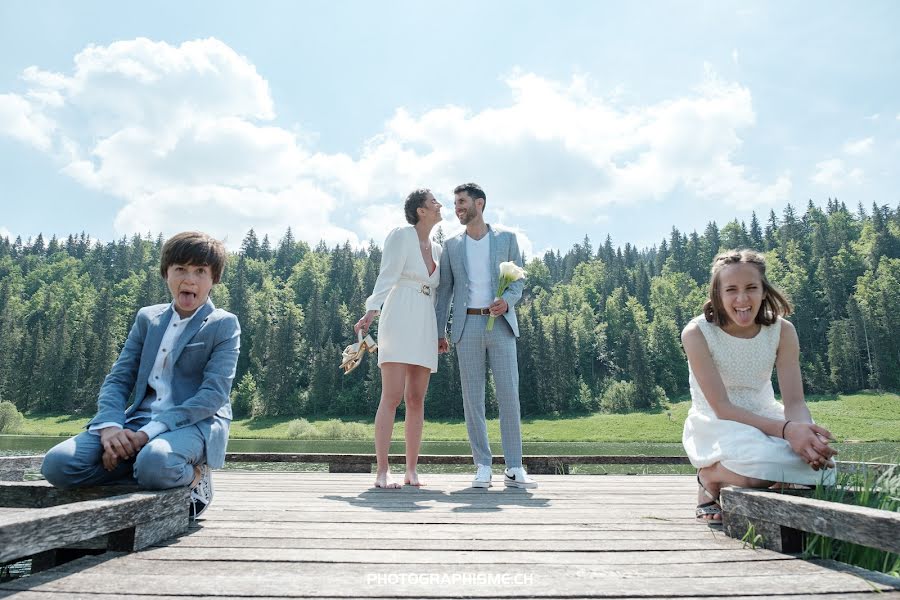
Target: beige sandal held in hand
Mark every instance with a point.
(353, 354)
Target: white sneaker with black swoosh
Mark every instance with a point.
(518, 478)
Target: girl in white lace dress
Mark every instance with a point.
(407, 346)
(736, 432)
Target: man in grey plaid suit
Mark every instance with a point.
(469, 276)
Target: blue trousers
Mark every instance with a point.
(167, 461)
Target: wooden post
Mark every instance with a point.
(772, 535)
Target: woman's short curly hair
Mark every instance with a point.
(414, 202)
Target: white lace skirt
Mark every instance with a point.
(746, 450)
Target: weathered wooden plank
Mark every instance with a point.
(483, 529)
(465, 478)
(347, 580)
(495, 561)
(400, 532)
(857, 524)
(599, 545)
(323, 535)
(29, 595)
(24, 534)
(458, 557)
(12, 468)
(766, 534)
(8, 511)
(149, 532)
(583, 496)
(455, 531)
(450, 459)
(40, 494)
(472, 516)
(547, 486)
(361, 505)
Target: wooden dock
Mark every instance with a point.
(321, 535)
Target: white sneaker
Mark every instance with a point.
(518, 478)
(482, 477)
(202, 493)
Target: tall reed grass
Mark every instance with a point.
(861, 488)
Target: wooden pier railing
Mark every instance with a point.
(536, 464)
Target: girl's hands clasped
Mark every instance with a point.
(810, 442)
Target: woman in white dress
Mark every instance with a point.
(736, 432)
(404, 295)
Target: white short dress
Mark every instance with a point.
(745, 366)
(405, 294)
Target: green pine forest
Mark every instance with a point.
(600, 324)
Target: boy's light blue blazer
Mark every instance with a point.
(205, 358)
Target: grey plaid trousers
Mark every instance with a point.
(475, 350)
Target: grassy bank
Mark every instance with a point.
(864, 417)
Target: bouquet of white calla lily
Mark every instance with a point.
(509, 272)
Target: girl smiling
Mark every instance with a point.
(736, 432)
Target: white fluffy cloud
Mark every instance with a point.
(857, 147)
(561, 150)
(180, 134)
(19, 120)
(185, 137)
(833, 173)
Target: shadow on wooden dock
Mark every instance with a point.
(321, 535)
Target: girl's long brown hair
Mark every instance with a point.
(774, 303)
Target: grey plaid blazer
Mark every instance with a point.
(453, 288)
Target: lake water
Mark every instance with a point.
(869, 451)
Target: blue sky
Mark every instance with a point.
(577, 118)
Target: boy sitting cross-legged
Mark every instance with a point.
(178, 362)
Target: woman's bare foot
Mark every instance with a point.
(705, 490)
(412, 478)
(384, 480)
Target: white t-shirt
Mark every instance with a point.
(160, 381)
(478, 265)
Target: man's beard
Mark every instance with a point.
(466, 217)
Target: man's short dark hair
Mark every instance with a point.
(193, 248)
(414, 202)
(473, 190)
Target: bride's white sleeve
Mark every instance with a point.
(393, 258)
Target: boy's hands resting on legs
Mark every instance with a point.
(120, 444)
